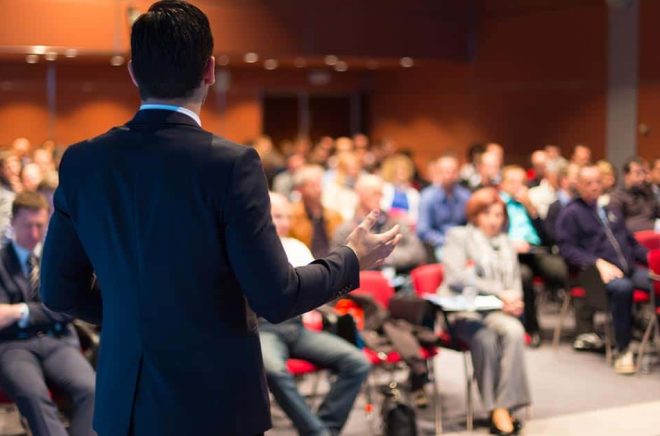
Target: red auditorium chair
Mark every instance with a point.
(427, 279)
(649, 239)
(375, 284)
(643, 297)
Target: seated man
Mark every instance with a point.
(442, 205)
(592, 236)
(528, 238)
(311, 222)
(291, 340)
(635, 200)
(409, 253)
(38, 346)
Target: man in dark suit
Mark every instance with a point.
(174, 223)
(36, 344)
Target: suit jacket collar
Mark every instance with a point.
(12, 265)
(158, 117)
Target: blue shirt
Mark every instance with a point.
(520, 224)
(438, 212)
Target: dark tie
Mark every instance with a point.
(33, 275)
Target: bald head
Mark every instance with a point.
(590, 183)
(369, 189)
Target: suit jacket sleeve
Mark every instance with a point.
(66, 272)
(274, 289)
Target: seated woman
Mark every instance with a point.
(481, 255)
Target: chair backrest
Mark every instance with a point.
(427, 278)
(654, 267)
(374, 283)
(649, 239)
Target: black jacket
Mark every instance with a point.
(583, 239)
(15, 289)
(175, 223)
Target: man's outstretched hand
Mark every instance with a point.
(372, 249)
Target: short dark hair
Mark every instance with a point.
(627, 165)
(28, 200)
(170, 47)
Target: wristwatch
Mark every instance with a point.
(24, 320)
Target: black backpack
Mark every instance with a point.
(397, 415)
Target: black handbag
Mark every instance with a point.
(398, 416)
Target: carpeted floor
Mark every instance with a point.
(573, 393)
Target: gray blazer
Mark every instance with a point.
(495, 262)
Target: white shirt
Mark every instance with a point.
(173, 108)
(297, 252)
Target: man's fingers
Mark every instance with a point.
(370, 220)
(389, 235)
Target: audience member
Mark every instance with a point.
(635, 201)
(322, 151)
(567, 182)
(539, 161)
(400, 199)
(10, 172)
(363, 151)
(291, 339)
(36, 344)
(545, 192)
(45, 161)
(8, 184)
(581, 155)
(526, 235)
(271, 159)
(31, 177)
(496, 338)
(488, 172)
(655, 181)
(312, 223)
(468, 174)
(442, 205)
(21, 148)
(553, 154)
(609, 181)
(338, 191)
(409, 253)
(283, 182)
(592, 236)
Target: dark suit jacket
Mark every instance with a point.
(175, 223)
(14, 289)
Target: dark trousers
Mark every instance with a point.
(26, 365)
(553, 271)
(620, 292)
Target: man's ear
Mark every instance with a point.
(131, 73)
(209, 72)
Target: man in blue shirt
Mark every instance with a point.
(527, 236)
(442, 205)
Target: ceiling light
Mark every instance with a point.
(407, 62)
(39, 49)
(117, 60)
(32, 59)
(222, 60)
(50, 56)
(270, 64)
(341, 66)
(331, 60)
(251, 58)
(71, 53)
